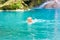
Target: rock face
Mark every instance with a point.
(19, 4)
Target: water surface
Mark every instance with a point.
(14, 27)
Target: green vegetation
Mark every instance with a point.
(12, 6)
(19, 4)
(3, 1)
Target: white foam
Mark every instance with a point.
(58, 2)
(36, 20)
(43, 5)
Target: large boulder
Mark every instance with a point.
(20, 4)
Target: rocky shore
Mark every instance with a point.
(19, 4)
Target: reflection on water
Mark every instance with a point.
(14, 27)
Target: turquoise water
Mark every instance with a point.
(14, 27)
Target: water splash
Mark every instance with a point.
(57, 20)
(44, 4)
